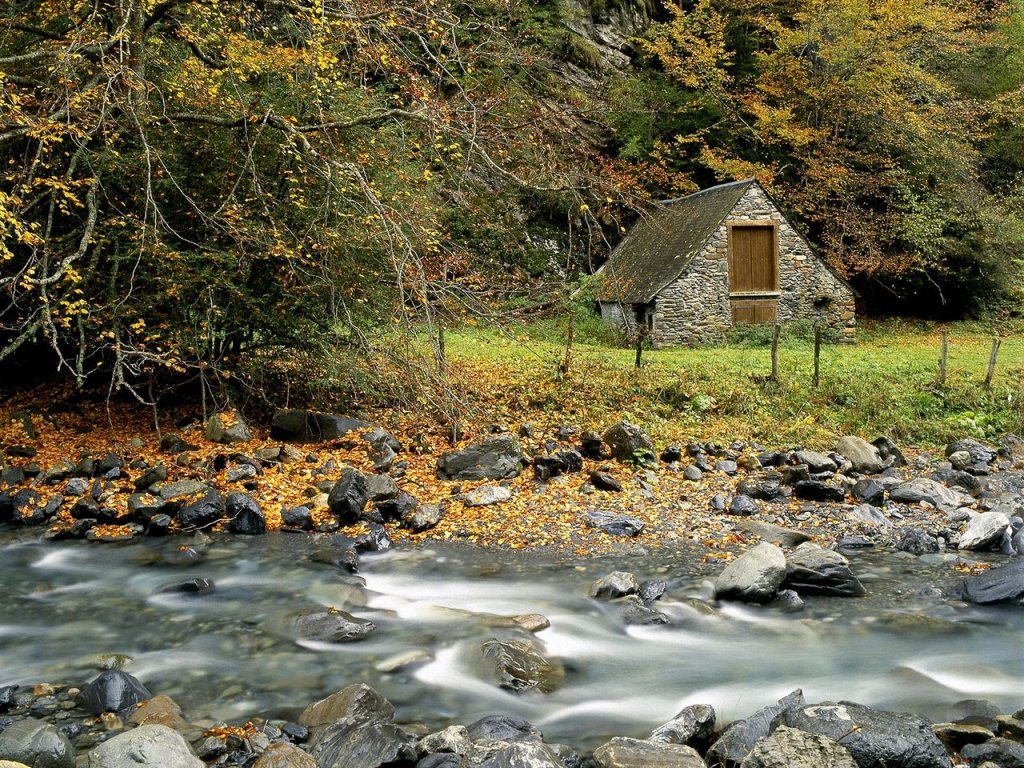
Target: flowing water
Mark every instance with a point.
(68, 607)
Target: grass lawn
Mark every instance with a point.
(885, 384)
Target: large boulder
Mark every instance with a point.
(1002, 584)
(494, 458)
(615, 584)
(36, 744)
(755, 576)
(113, 691)
(358, 701)
(875, 739)
(203, 512)
(811, 570)
(301, 426)
(984, 531)
(628, 443)
(862, 455)
(518, 666)
(148, 746)
(244, 515)
(980, 454)
(227, 427)
(634, 753)
(925, 489)
(739, 738)
(791, 748)
(815, 461)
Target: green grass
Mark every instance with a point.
(884, 385)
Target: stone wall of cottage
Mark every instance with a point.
(695, 308)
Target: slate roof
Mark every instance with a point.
(662, 245)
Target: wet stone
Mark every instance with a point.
(113, 691)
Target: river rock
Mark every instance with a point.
(999, 752)
(634, 753)
(399, 507)
(634, 611)
(376, 539)
(604, 481)
(296, 425)
(916, 541)
(889, 451)
(739, 738)
(875, 739)
(348, 496)
(202, 513)
(754, 576)
(363, 743)
(960, 460)
(197, 585)
(329, 626)
(761, 488)
(220, 428)
(160, 710)
(113, 691)
(1004, 583)
(244, 514)
(559, 463)
(925, 489)
(284, 755)
(790, 748)
(148, 746)
(150, 477)
(613, 524)
(692, 473)
(630, 444)
(423, 517)
(816, 490)
(811, 570)
(518, 666)
(984, 531)
(486, 495)
(867, 490)
(979, 453)
(615, 584)
(815, 461)
(694, 726)
(36, 744)
(524, 755)
(866, 514)
(356, 702)
(502, 728)
(862, 455)
(742, 505)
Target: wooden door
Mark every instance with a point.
(752, 263)
(753, 273)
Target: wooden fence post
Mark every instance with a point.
(996, 343)
(817, 356)
(775, 351)
(943, 358)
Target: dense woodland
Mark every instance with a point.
(214, 191)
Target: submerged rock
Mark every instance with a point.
(329, 626)
(519, 667)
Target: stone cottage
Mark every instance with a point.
(719, 258)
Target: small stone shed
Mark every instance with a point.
(721, 257)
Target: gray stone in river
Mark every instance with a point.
(284, 755)
(754, 576)
(502, 728)
(358, 701)
(148, 746)
(1002, 753)
(694, 726)
(984, 531)
(36, 744)
(864, 457)
(113, 691)
(811, 570)
(875, 738)
(615, 584)
(632, 610)
(363, 743)
(1004, 583)
(791, 748)
(329, 626)
(916, 541)
(525, 755)
(634, 753)
(739, 738)
(495, 458)
(518, 666)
